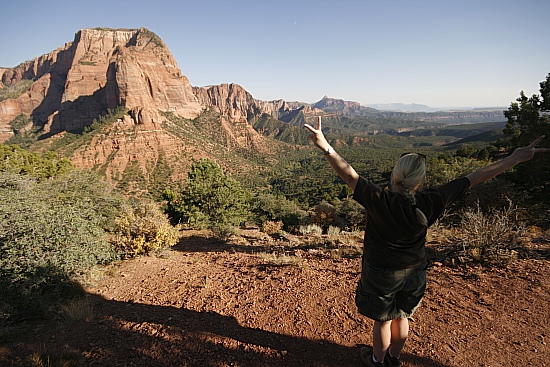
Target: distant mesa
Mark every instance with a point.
(403, 107)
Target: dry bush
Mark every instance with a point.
(311, 229)
(66, 358)
(80, 309)
(351, 238)
(279, 259)
(142, 228)
(488, 238)
(323, 215)
(272, 227)
(348, 251)
(333, 232)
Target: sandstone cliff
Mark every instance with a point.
(100, 69)
(238, 105)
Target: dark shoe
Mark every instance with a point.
(366, 358)
(392, 361)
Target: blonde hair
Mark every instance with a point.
(408, 177)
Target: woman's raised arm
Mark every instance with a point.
(340, 166)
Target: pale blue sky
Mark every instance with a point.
(442, 53)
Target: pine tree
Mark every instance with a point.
(528, 118)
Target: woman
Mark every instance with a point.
(393, 276)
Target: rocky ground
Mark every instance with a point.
(210, 303)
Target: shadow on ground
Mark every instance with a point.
(132, 334)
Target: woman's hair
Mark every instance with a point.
(408, 177)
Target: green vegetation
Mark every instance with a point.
(141, 228)
(15, 90)
(276, 209)
(152, 37)
(20, 122)
(133, 180)
(15, 159)
(69, 140)
(57, 224)
(528, 118)
(211, 199)
(50, 236)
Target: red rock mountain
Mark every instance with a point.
(100, 69)
(163, 131)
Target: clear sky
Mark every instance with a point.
(442, 53)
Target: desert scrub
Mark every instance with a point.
(333, 232)
(19, 122)
(488, 238)
(272, 227)
(351, 251)
(142, 228)
(279, 259)
(276, 208)
(49, 238)
(47, 358)
(89, 63)
(324, 215)
(311, 229)
(77, 310)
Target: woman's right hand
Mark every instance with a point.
(528, 152)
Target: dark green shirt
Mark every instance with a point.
(394, 238)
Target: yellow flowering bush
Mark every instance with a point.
(142, 228)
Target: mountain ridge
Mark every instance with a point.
(56, 97)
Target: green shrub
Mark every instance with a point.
(211, 199)
(48, 240)
(86, 189)
(19, 122)
(15, 159)
(15, 90)
(142, 228)
(350, 214)
(444, 169)
(276, 208)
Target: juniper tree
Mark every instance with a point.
(210, 199)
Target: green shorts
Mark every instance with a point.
(387, 294)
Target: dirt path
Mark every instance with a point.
(210, 304)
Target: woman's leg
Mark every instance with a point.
(382, 337)
(399, 333)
